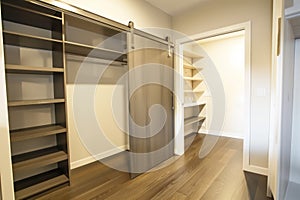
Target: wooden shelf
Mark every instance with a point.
(34, 102)
(189, 66)
(193, 120)
(30, 41)
(94, 52)
(35, 132)
(192, 79)
(32, 70)
(38, 158)
(40, 183)
(193, 104)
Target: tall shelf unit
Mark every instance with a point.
(194, 112)
(35, 79)
(44, 47)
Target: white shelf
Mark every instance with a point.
(193, 91)
(192, 104)
(193, 120)
(192, 79)
(189, 132)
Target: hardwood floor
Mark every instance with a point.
(219, 176)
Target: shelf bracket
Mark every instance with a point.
(131, 26)
(169, 47)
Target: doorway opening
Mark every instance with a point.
(227, 52)
(237, 122)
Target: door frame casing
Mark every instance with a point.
(246, 26)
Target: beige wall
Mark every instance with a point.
(228, 55)
(221, 13)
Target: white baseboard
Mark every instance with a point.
(91, 159)
(223, 134)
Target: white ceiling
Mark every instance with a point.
(174, 7)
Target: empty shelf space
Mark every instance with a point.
(192, 79)
(30, 41)
(34, 102)
(35, 132)
(192, 54)
(28, 14)
(193, 104)
(39, 183)
(32, 70)
(189, 133)
(193, 120)
(38, 158)
(94, 52)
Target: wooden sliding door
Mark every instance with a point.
(151, 124)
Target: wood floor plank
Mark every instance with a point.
(203, 180)
(178, 196)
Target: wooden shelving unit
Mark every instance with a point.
(33, 47)
(193, 105)
(37, 39)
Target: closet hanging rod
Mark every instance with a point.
(101, 63)
(77, 58)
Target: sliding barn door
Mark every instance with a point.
(151, 126)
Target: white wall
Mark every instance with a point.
(216, 14)
(292, 6)
(143, 15)
(295, 154)
(140, 12)
(228, 55)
